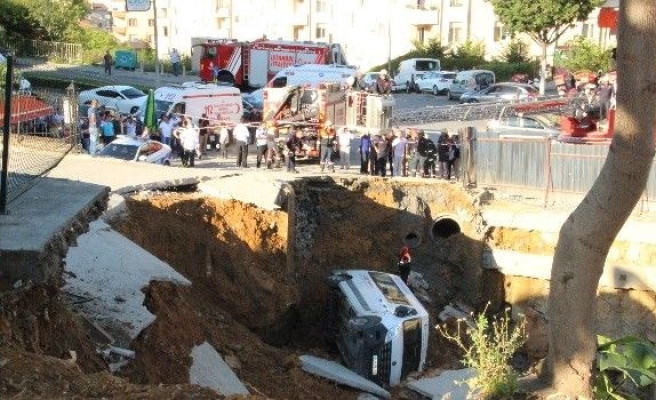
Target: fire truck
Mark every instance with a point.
(308, 108)
(253, 64)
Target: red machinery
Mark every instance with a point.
(253, 64)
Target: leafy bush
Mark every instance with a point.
(515, 52)
(583, 54)
(625, 366)
(504, 71)
(488, 346)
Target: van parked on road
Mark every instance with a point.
(220, 103)
(379, 326)
(470, 81)
(311, 75)
(412, 69)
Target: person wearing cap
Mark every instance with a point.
(383, 84)
(405, 264)
(327, 143)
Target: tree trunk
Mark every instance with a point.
(585, 238)
(543, 68)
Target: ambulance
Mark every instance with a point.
(221, 103)
(312, 75)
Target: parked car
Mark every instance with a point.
(119, 97)
(138, 149)
(370, 78)
(251, 112)
(500, 92)
(436, 82)
(530, 126)
(470, 81)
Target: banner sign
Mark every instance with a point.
(137, 5)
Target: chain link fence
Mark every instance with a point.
(44, 126)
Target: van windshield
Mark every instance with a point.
(389, 289)
(427, 65)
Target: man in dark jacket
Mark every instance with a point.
(365, 147)
(383, 84)
(292, 144)
(419, 159)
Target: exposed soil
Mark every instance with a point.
(257, 294)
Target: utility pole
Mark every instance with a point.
(157, 71)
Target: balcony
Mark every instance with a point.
(419, 16)
(300, 18)
(119, 30)
(223, 12)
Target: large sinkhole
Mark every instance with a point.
(266, 270)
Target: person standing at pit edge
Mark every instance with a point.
(405, 264)
(107, 61)
(242, 136)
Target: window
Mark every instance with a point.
(422, 32)
(587, 30)
(165, 31)
(455, 3)
(151, 22)
(500, 32)
(297, 32)
(321, 6)
(162, 13)
(420, 3)
(455, 32)
(320, 32)
(132, 22)
(133, 38)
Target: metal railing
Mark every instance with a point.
(64, 52)
(41, 130)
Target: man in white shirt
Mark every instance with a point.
(165, 130)
(344, 138)
(242, 136)
(189, 141)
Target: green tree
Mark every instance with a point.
(544, 21)
(582, 53)
(587, 235)
(42, 19)
(16, 21)
(515, 52)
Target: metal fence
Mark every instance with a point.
(555, 173)
(42, 130)
(63, 52)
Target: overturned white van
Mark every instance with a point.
(378, 325)
(193, 99)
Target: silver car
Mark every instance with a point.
(501, 92)
(533, 126)
(137, 149)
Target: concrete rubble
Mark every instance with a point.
(449, 385)
(209, 370)
(340, 374)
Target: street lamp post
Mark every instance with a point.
(157, 71)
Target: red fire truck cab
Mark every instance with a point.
(253, 64)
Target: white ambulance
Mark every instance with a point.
(311, 75)
(220, 103)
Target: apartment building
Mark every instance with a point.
(371, 31)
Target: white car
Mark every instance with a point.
(436, 82)
(138, 149)
(119, 97)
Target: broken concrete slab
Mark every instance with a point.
(209, 370)
(447, 385)
(340, 374)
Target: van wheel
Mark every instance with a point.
(364, 322)
(335, 279)
(435, 91)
